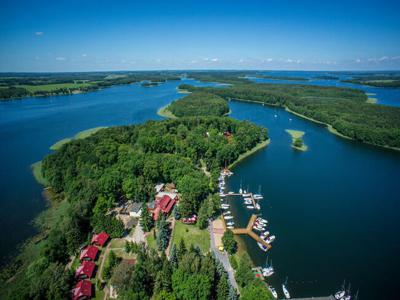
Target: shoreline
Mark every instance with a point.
(165, 113)
(250, 152)
(330, 128)
(297, 134)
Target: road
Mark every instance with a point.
(223, 258)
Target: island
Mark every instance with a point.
(344, 111)
(297, 139)
(129, 213)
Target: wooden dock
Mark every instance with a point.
(249, 231)
(238, 194)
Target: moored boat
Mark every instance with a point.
(273, 292)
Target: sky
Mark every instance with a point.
(53, 36)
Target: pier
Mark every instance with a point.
(238, 194)
(249, 231)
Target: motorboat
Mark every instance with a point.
(229, 227)
(257, 206)
(240, 191)
(270, 239)
(261, 220)
(250, 206)
(230, 223)
(226, 213)
(273, 292)
(247, 199)
(258, 228)
(339, 295)
(265, 234)
(246, 194)
(262, 247)
(228, 217)
(285, 291)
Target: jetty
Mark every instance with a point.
(239, 194)
(249, 231)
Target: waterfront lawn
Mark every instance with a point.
(191, 234)
(297, 134)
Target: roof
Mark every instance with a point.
(86, 268)
(82, 289)
(135, 207)
(100, 239)
(171, 195)
(89, 252)
(166, 203)
(159, 187)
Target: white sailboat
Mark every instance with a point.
(285, 290)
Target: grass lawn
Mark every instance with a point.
(80, 135)
(151, 241)
(191, 234)
(37, 173)
(297, 134)
(54, 86)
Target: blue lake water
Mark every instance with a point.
(334, 209)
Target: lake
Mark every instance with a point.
(334, 208)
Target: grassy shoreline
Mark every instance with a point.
(255, 149)
(80, 135)
(165, 113)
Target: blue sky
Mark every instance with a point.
(137, 35)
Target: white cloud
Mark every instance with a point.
(358, 60)
(84, 54)
(289, 60)
(214, 59)
(269, 59)
(60, 58)
(39, 33)
(383, 58)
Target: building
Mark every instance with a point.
(159, 187)
(82, 290)
(85, 270)
(163, 205)
(89, 253)
(100, 239)
(135, 209)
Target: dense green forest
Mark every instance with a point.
(17, 85)
(119, 164)
(378, 80)
(199, 104)
(282, 77)
(345, 109)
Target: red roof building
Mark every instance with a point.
(85, 270)
(100, 239)
(82, 290)
(164, 204)
(89, 253)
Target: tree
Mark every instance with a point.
(255, 292)
(121, 276)
(202, 220)
(298, 143)
(111, 263)
(229, 242)
(146, 220)
(162, 234)
(173, 257)
(244, 275)
(223, 288)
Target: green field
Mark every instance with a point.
(191, 234)
(54, 86)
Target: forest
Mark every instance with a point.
(199, 104)
(17, 85)
(124, 163)
(377, 80)
(343, 108)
